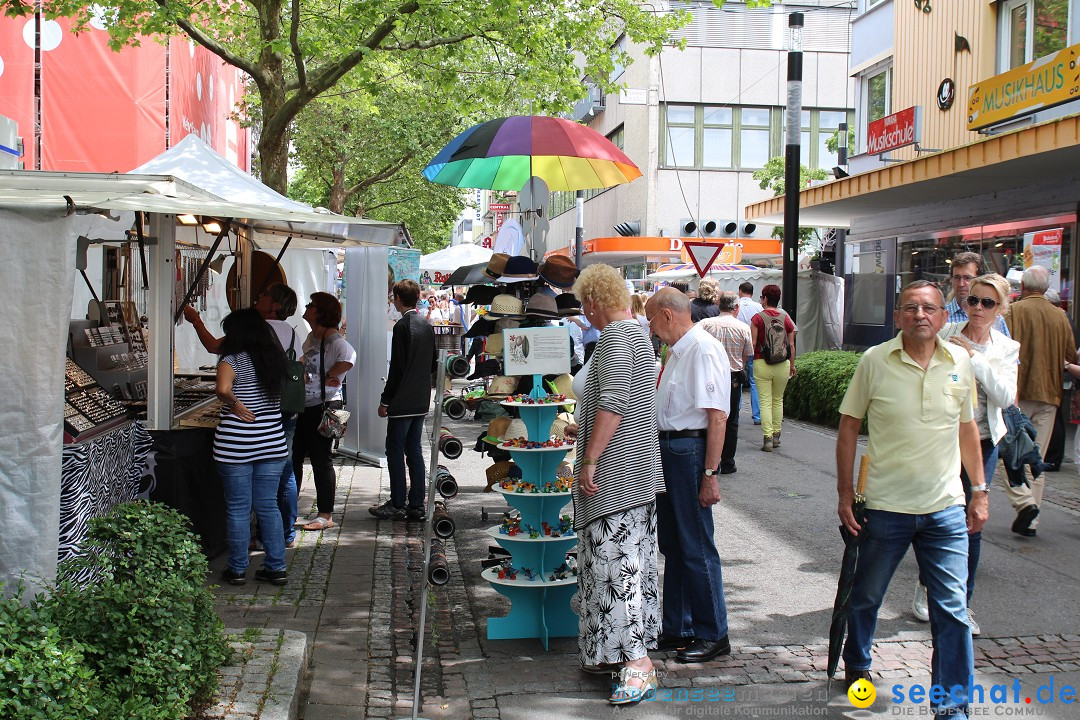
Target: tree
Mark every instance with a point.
(296, 51)
(771, 177)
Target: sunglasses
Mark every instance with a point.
(988, 303)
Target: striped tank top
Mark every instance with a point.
(237, 441)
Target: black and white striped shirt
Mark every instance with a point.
(237, 441)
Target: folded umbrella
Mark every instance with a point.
(842, 604)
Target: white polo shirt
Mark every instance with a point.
(696, 377)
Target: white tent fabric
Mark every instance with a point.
(37, 269)
(450, 259)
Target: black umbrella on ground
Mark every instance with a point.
(842, 604)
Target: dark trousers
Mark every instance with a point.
(403, 443)
(731, 434)
(309, 443)
(589, 347)
(693, 582)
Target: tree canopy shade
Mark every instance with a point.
(298, 50)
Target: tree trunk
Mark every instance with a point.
(337, 187)
(274, 162)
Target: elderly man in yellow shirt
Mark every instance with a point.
(918, 394)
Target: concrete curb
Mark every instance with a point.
(263, 683)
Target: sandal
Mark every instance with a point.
(602, 669)
(319, 523)
(626, 694)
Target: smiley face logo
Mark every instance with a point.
(862, 693)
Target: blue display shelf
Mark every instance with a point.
(538, 609)
(543, 554)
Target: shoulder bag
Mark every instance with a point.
(292, 392)
(334, 418)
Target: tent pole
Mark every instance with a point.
(277, 261)
(142, 249)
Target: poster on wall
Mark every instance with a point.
(403, 264)
(536, 351)
(1044, 248)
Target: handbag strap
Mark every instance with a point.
(322, 367)
(291, 352)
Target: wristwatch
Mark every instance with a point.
(979, 488)
(709, 472)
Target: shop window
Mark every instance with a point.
(1031, 29)
(755, 141)
(869, 278)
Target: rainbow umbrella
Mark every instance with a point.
(503, 154)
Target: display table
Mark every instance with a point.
(181, 474)
(95, 475)
(540, 605)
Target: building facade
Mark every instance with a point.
(989, 166)
(698, 122)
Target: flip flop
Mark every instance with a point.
(319, 523)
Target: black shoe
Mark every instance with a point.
(387, 511)
(704, 650)
(1024, 516)
(665, 643)
(1027, 532)
(415, 513)
(850, 676)
(277, 577)
(233, 578)
(728, 469)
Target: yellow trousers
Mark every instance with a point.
(771, 381)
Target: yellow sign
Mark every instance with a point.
(1046, 82)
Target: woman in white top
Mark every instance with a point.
(994, 359)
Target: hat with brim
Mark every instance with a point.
(496, 264)
(494, 344)
(498, 472)
(506, 306)
(507, 324)
(558, 270)
(562, 385)
(484, 368)
(495, 429)
(481, 294)
(514, 429)
(520, 267)
(502, 385)
(568, 304)
(480, 328)
(543, 306)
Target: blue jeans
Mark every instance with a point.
(755, 407)
(403, 438)
(693, 582)
(252, 486)
(287, 492)
(941, 544)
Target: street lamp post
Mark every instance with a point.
(791, 164)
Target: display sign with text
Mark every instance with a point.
(1044, 248)
(536, 351)
(895, 131)
(1043, 83)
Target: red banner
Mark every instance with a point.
(17, 80)
(204, 93)
(895, 131)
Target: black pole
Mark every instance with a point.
(579, 230)
(226, 225)
(792, 161)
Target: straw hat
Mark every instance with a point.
(558, 270)
(543, 306)
(506, 306)
(513, 429)
(494, 344)
(503, 385)
(496, 265)
(501, 471)
(496, 428)
(558, 427)
(564, 385)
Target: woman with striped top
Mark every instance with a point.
(618, 471)
(249, 444)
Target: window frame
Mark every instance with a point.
(886, 68)
(1004, 32)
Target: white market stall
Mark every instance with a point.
(42, 215)
(436, 267)
(820, 296)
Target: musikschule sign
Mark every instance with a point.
(895, 131)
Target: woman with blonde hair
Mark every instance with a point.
(994, 359)
(704, 305)
(619, 474)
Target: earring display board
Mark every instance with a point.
(537, 577)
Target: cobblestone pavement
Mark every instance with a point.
(354, 590)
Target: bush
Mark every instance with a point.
(821, 380)
(148, 627)
(42, 676)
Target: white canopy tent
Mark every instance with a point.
(450, 259)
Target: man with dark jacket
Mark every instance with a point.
(405, 401)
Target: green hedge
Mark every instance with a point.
(822, 377)
(143, 642)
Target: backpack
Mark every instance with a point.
(294, 390)
(774, 344)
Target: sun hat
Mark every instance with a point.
(494, 344)
(563, 385)
(519, 266)
(500, 471)
(502, 385)
(558, 270)
(496, 264)
(514, 429)
(496, 428)
(568, 304)
(506, 306)
(506, 324)
(558, 426)
(481, 294)
(541, 305)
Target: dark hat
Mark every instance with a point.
(541, 305)
(485, 368)
(496, 264)
(481, 328)
(558, 270)
(482, 294)
(519, 266)
(568, 304)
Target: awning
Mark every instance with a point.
(166, 194)
(1033, 155)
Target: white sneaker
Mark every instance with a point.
(919, 607)
(975, 629)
